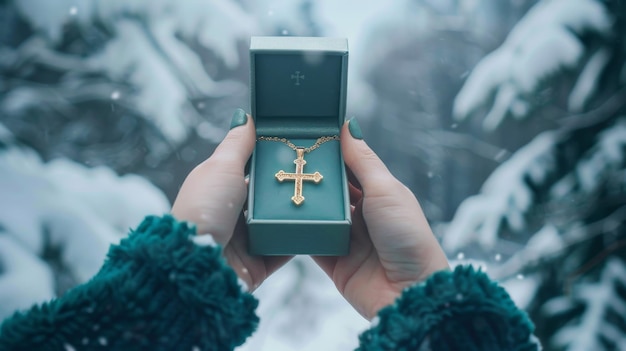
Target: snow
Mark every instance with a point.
(563, 186)
(579, 15)
(553, 50)
(545, 42)
(204, 240)
(535, 340)
(17, 99)
(544, 244)
(120, 201)
(521, 288)
(25, 277)
(150, 51)
(5, 135)
(589, 80)
(301, 299)
(505, 98)
(50, 16)
(161, 94)
(505, 197)
(522, 291)
(103, 341)
(584, 334)
(612, 142)
(557, 306)
(606, 154)
(80, 210)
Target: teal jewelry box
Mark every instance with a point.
(298, 201)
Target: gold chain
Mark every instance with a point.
(292, 146)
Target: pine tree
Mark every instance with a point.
(89, 91)
(563, 194)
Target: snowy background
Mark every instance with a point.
(506, 118)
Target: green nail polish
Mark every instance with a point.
(355, 129)
(239, 118)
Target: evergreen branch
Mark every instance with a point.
(595, 327)
(530, 258)
(531, 170)
(593, 262)
(541, 47)
(610, 107)
(35, 50)
(470, 143)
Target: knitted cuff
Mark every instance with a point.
(460, 310)
(192, 291)
(158, 290)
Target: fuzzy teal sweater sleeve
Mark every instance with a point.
(157, 290)
(452, 310)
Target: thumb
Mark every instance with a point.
(366, 166)
(233, 152)
(214, 192)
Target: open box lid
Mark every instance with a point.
(298, 85)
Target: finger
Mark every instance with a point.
(235, 150)
(273, 263)
(252, 269)
(366, 166)
(236, 254)
(327, 264)
(355, 194)
(213, 194)
(360, 244)
(352, 179)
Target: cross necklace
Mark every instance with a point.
(299, 176)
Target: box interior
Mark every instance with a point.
(297, 96)
(323, 201)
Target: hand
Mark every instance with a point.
(213, 195)
(391, 243)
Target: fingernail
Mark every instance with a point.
(239, 118)
(355, 129)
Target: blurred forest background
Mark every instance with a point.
(506, 118)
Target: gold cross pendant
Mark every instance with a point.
(298, 177)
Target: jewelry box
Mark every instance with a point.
(298, 201)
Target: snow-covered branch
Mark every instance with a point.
(62, 204)
(508, 193)
(154, 47)
(544, 44)
(470, 143)
(548, 244)
(505, 197)
(594, 329)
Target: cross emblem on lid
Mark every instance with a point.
(297, 77)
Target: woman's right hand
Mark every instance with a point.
(391, 243)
